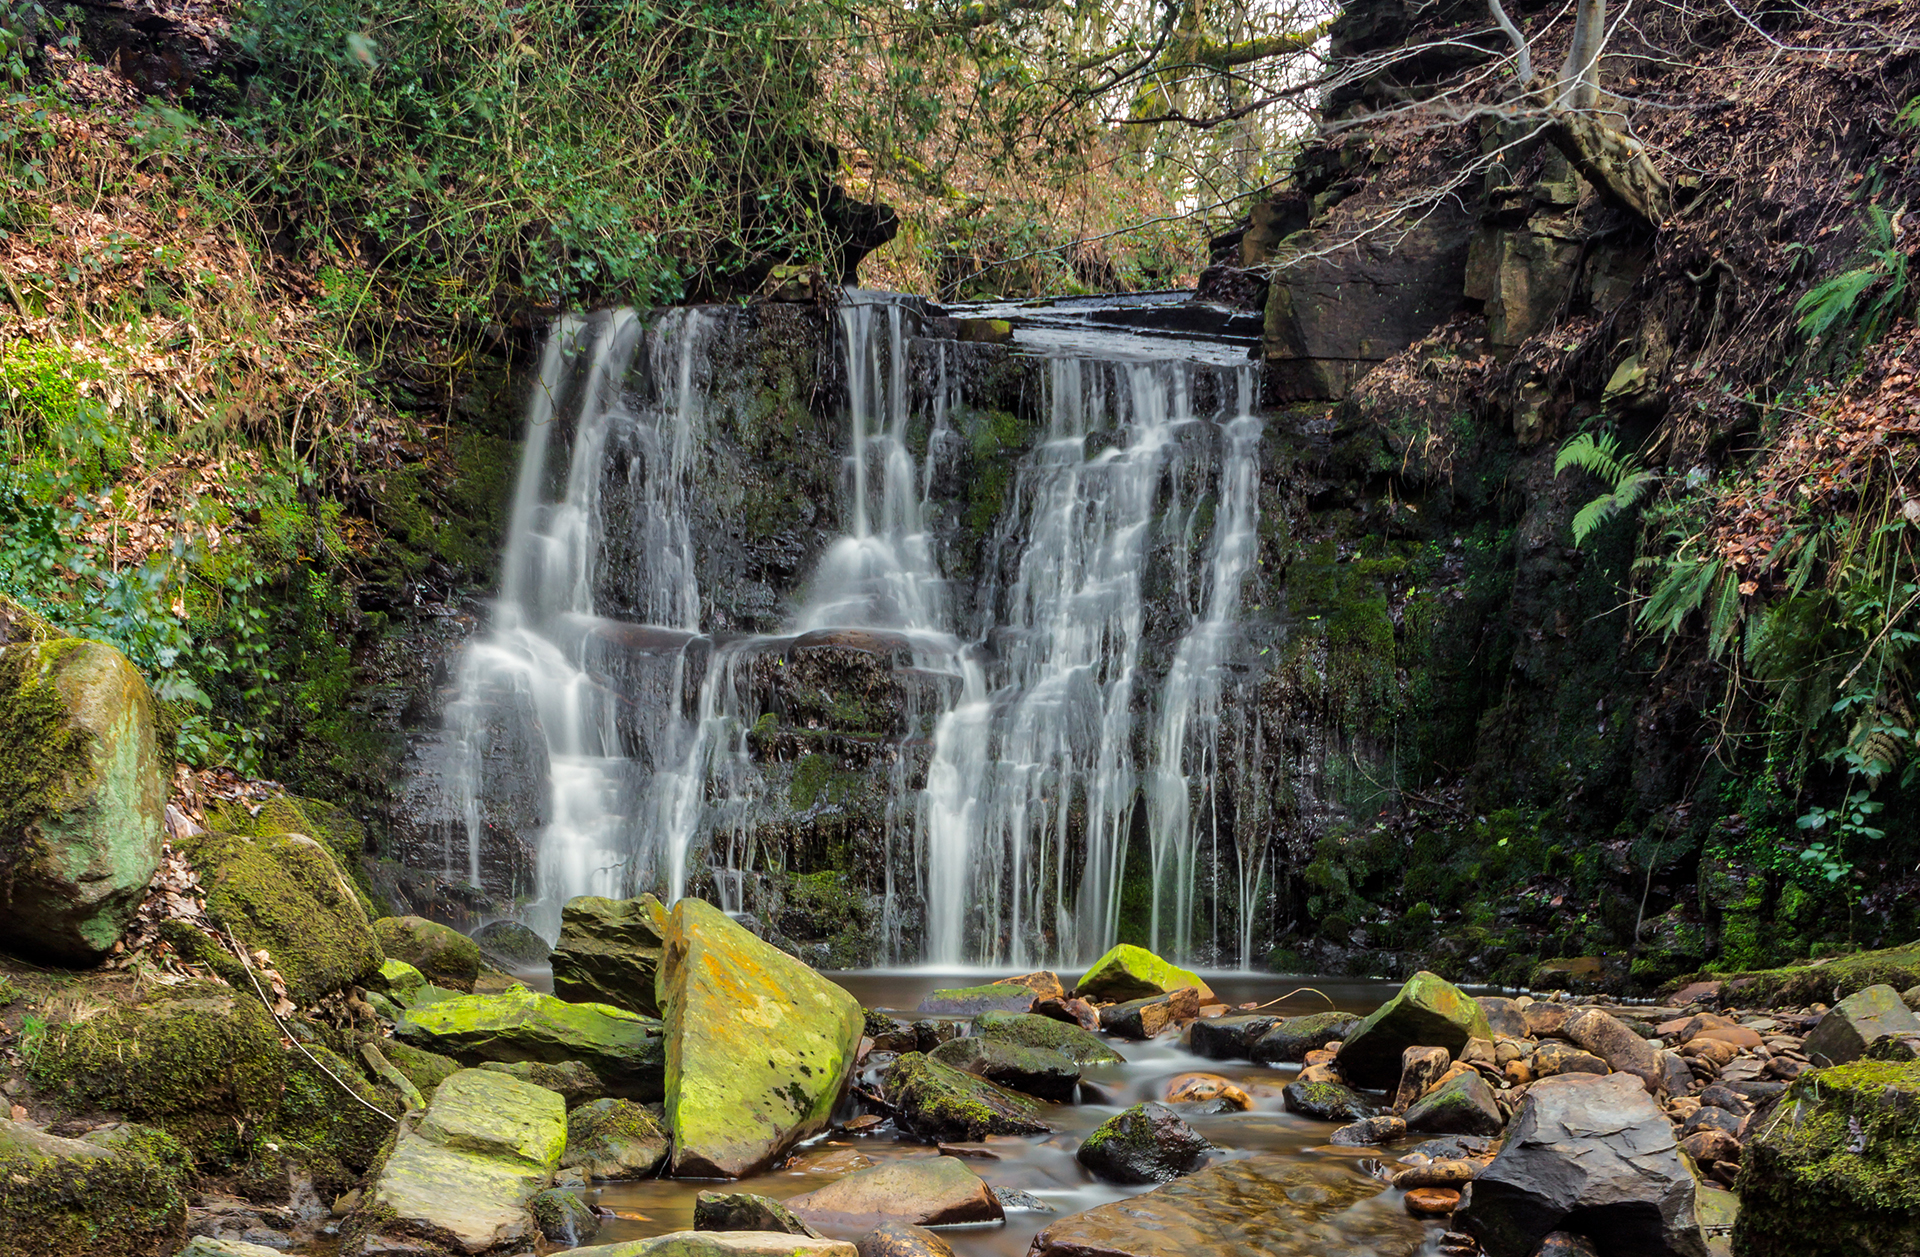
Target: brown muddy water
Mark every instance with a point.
(1044, 1166)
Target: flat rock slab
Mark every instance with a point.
(722, 1244)
(935, 1191)
(1269, 1205)
(624, 1049)
(971, 1001)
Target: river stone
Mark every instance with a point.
(1034, 1071)
(1230, 1038)
(971, 1001)
(1843, 1034)
(1464, 1105)
(563, 1218)
(759, 1046)
(897, 1239)
(512, 943)
(722, 1244)
(1127, 973)
(1147, 1017)
(1503, 1016)
(1590, 1154)
(1326, 1102)
(609, 952)
(1428, 1011)
(1614, 1042)
(118, 1192)
(207, 1246)
(468, 1167)
(1044, 983)
(744, 1211)
(397, 980)
(1030, 1031)
(1420, 1069)
(625, 1050)
(446, 956)
(574, 1081)
(82, 797)
(614, 1139)
(1267, 1205)
(1369, 1131)
(1293, 1037)
(929, 1191)
(938, 1102)
(1147, 1143)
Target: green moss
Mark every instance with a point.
(1897, 967)
(42, 752)
(131, 1203)
(425, 1070)
(938, 1101)
(1044, 1033)
(344, 837)
(809, 778)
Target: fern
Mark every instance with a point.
(1868, 296)
(1680, 593)
(1627, 482)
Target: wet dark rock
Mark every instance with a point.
(1046, 1034)
(1369, 1131)
(1035, 1071)
(1464, 1105)
(899, 1239)
(930, 1033)
(1721, 1096)
(1148, 1143)
(1150, 1016)
(744, 1211)
(971, 1001)
(447, 957)
(609, 952)
(1504, 1017)
(1856, 1021)
(564, 1218)
(1230, 1038)
(511, 943)
(1075, 1012)
(890, 1034)
(1708, 1118)
(1428, 1011)
(1013, 1198)
(1420, 1069)
(1453, 1148)
(1595, 1152)
(1327, 1102)
(935, 1191)
(948, 1105)
(1292, 1038)
(1566, 1244)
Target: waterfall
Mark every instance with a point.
(1047, 748)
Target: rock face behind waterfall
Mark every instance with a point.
(759, 1046)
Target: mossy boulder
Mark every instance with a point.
(1289, 1039)
(333, 827)
(1031, 1071)
(563, 1218)
(575, 1082)
(398, 981)
(1428, 1011)
(609, 952)
(744, 1211)
(1148, 1143)
(446, 956)
(971, 1001)
(462, 1173)
(944, 1104)
(82, 797)
(1851, 1026)
(119, 1192)
(624, 1049)
(1834, 1168)
(1028, 1030)
(1127, 972)
(285, 894)
(759, 1046)
(425, 1070)
(1463, 1105)
(614, 1139)
(1326, 1102)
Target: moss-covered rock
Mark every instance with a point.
(575, 1082)
(288, 895)
(1428, 1011)
(446, 956)
(119, 1192)
(609, 952)
(1028, 1030)
(1032, 1071)
(1289, 1039)
(563, 1218)
(1127, 972)
(398, 981)
(1327, 1102)
(1148, 1143)
(333, 827)
(82, 797)
(1831, 980)
(938, 1102)
(624, 1049)
(1835, 1167)
(614, 1139)
(513, 944)
(971, 1001)
(425, 1070)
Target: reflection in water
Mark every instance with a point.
(1045, 1166)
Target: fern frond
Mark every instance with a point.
(1725, 619)
(1599, 456)
(1679, 594)
(1834, 300)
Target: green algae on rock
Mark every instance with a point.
(1030, 1030)
(117, 1192)
(82, 797)
(936, 1101)
(758, 1045)
(398, 980)
(446, 956)
(1148, 1143)
(1127, 972)
(1428, 1011)
(609, 952)
(614, 1139)
(624, 1049)
(1032, 1071)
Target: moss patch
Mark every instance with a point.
(1897, 967)
(129, 1202)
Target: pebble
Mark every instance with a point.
(1432, 1202)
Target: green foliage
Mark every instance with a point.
(1866, 298)
(1627, 482)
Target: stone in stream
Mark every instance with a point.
(1420, 1069)
(1369, 1131)
(1207, 1088)
(971, 1001)
(759, 1046)
(610, 1139)
(512, 943)
(1846, 1030)
(1267, 1205)
(1046, 1034)
(897, 1239)
(467, 1169)
(206, 1246)
(1230, 1038)
(1127, 972)
(1033, 1071)
(1587, 1153)
(1148, 1143)
(85, 798)
(744, 1211)
(1614, 1042)
(1291, 1038)
(1073, 1011)
(1464, 1105)
(563, 1218)
(1428, 1011)
(624, 1050)
(1326, 1102)
(1149, 1016)
(117, 1192)
(938, 1102)
(446, 956)
(609, 952)
(1504, 1016)
(722, 1244)
(929, 1191)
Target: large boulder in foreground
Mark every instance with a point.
(938, 1102)
(82, 797)
(446, 956)
(1851, 1026)
(1830, 1170)
(1592, 1154)
(117, 1192)
(609, 952)
(462, 1174)
(1428, 1011)
(928, 1191)
(1268, 1205)
(1127, 973)
(759, 1046)
(625, 1050)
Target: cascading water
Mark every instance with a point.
(1031, 698)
